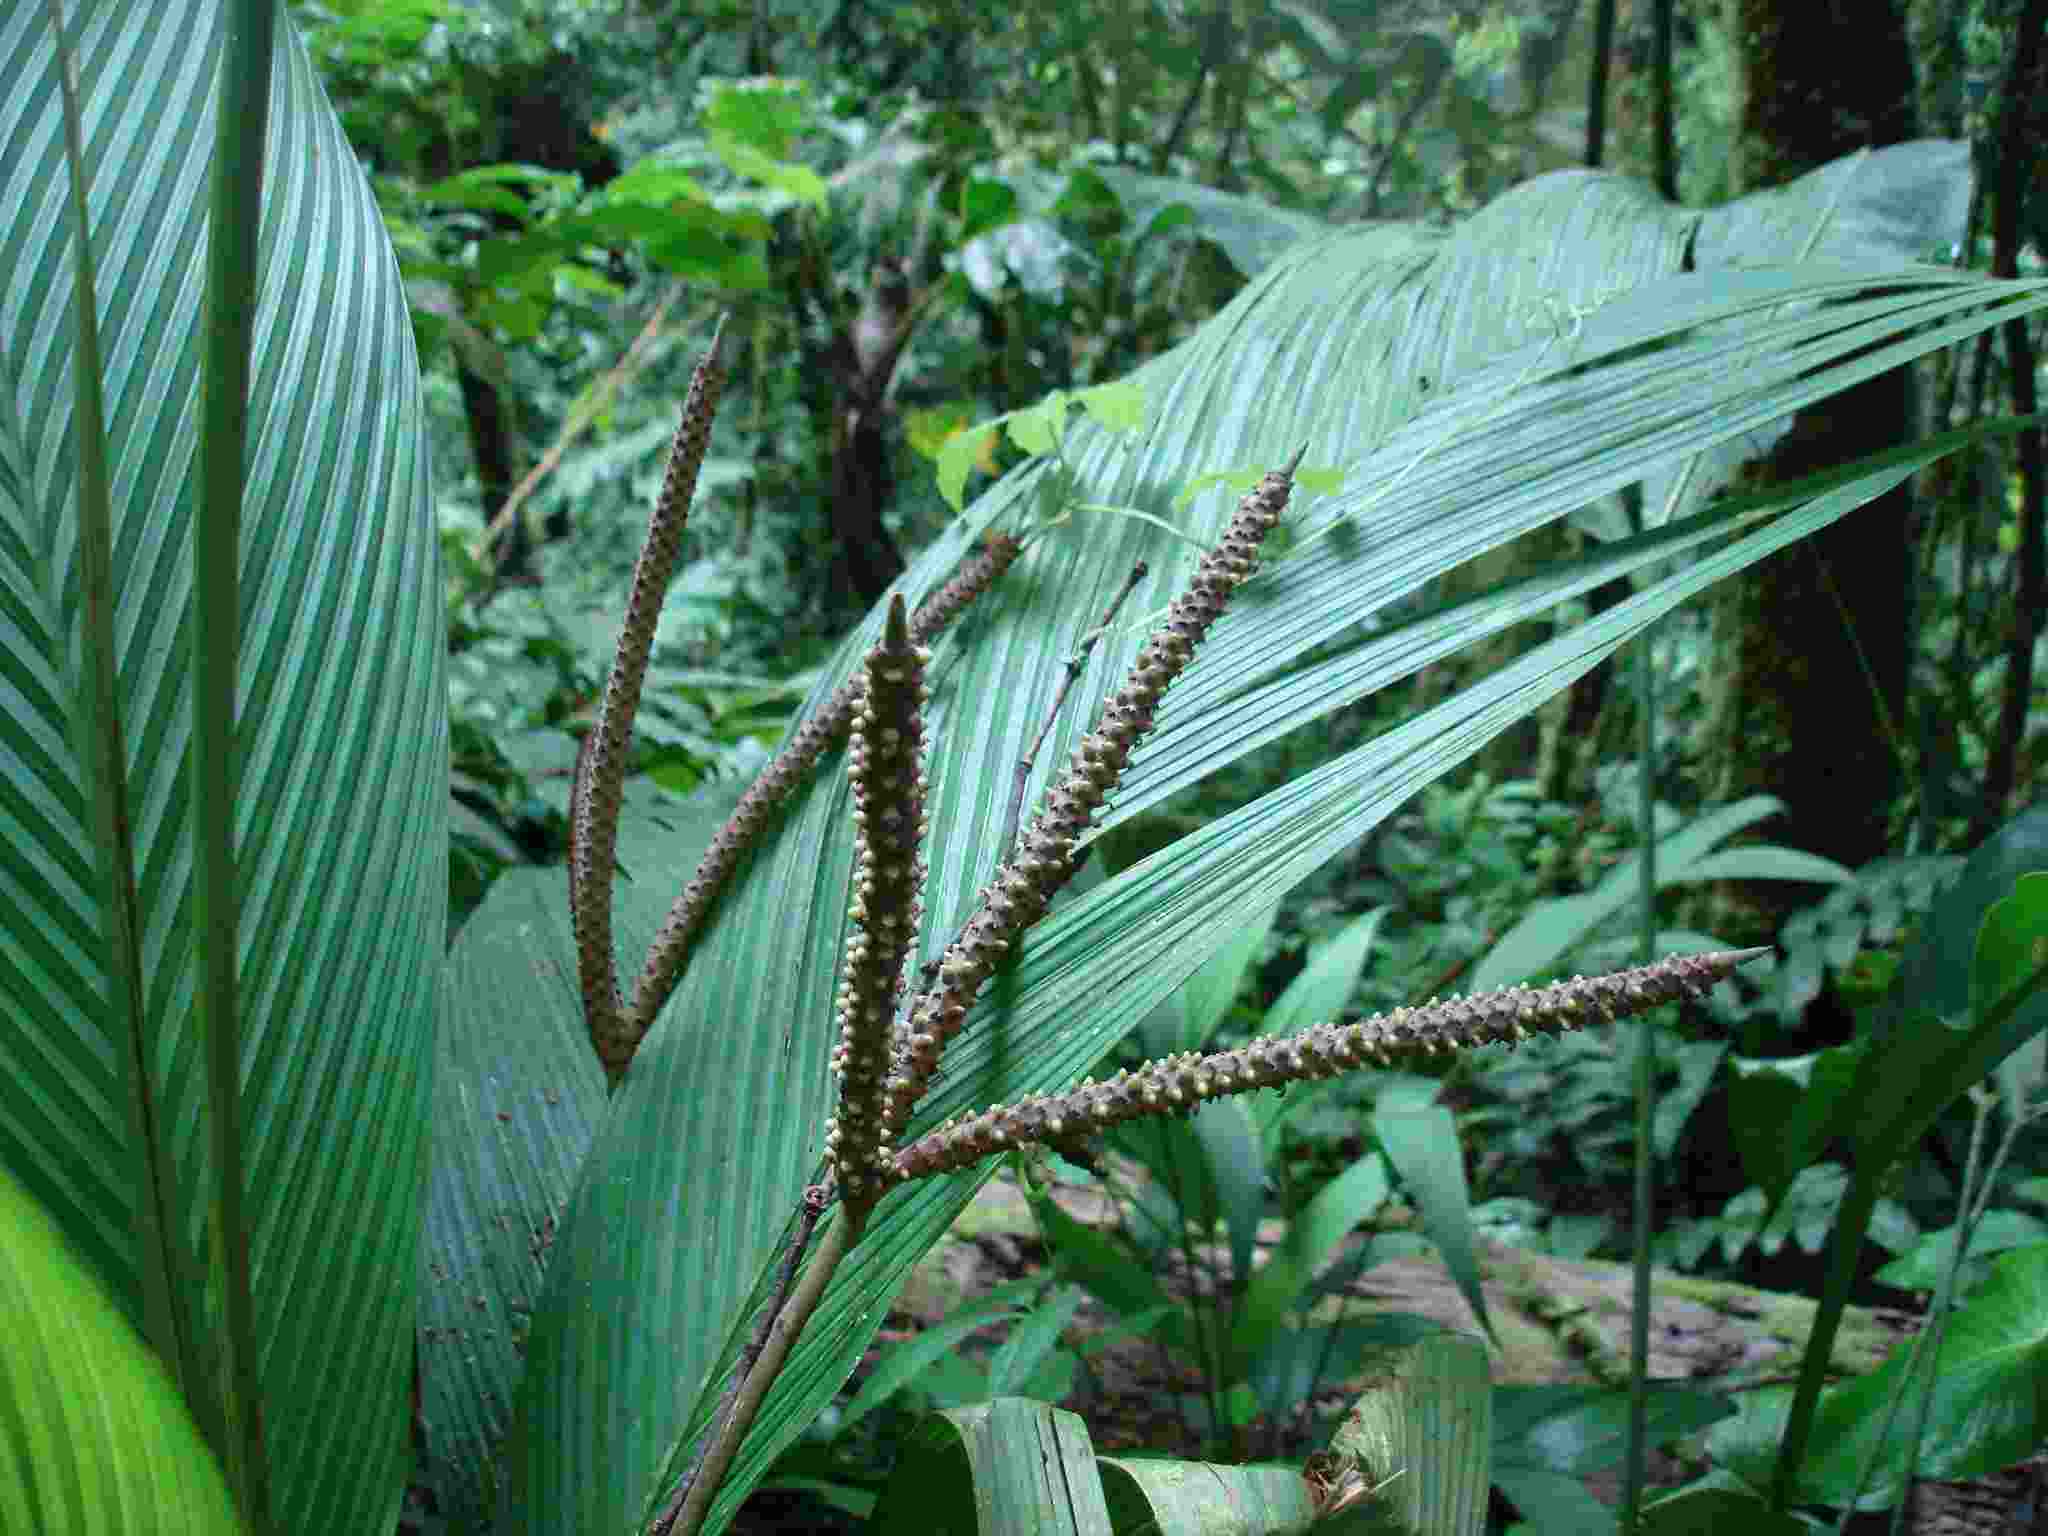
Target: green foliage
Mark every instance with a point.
(1493, 406)
(101, 1439)
(1688, 854)
(1850, 1445)
(219, 1023)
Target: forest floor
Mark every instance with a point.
(1555, 1322)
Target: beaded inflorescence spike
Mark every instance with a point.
(886, 765)
(601, 765)
(679, 931)
(1179, 1084)
(1043, 861)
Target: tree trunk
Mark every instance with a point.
(1811, 645)
(491, 442)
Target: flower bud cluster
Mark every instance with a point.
(1043, 862)
(670, 951)
(1181, 1084)
(600, 780)
(886, 764)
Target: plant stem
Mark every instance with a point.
(684, 1515)
(1851, 1222)
(1637, 1453)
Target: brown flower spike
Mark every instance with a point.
(1044, 859)
(680, 930)
(1180, 1084)
(886, 764)
(594, 808)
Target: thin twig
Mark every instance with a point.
(593, 404)
(1076, 665)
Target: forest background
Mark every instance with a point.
(922, 217)
(968, 260)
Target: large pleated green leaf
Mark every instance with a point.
(1473, 387)
(518, 1094)
(339, 751)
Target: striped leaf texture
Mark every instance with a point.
(340, 744)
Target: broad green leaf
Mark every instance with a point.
(339, 749)
(96, 1437)
(1554, 1501)
(719, 1125)
(1900, 204)
(1546, 1439)
(1576, 1429)
(1990, 1383)
(1010, 1467)
(1910, 1076)
(1421, 1436)
(1935, 970)
(1780, 1111)
(1155, 1496)
(518, 1094)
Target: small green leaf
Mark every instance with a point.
(902, 1364)
(1037, 428)
(1422, 1144)
(1781, 1111)
(1119, 406)
(1031, 1340)
(958, 456)
(1712, 1511)
(1277, 1286)
(1092, 1260)
(797, 181)
(1205, 998)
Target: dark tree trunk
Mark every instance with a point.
(866, 559)
(1812, 656)
(2021, 117)
(490, 441)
